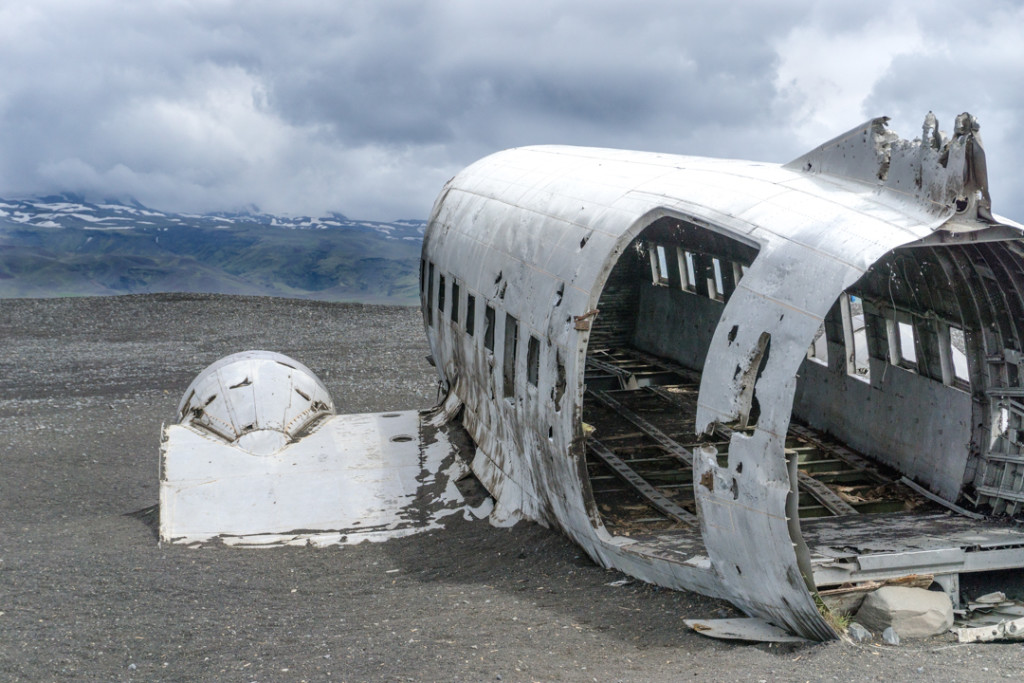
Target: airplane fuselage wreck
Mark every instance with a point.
(744, 379)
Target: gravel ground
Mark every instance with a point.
(87, 594)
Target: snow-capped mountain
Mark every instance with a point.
(65, 246)
(71, 211)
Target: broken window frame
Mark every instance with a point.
(455, 301)
(961, 381)
(945, 354)
(820, 339)
(470, 314)
(510, 350)
(430, 296)
(716, 283)
(1000, 427)
(659, 264)
(738, 271)
(850, 337)
(489, 324)
(899, 325)
(907, 336)
(687, 271)
(440, 293)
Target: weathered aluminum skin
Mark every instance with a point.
(536, 231)
(260, 401)
(303, 476)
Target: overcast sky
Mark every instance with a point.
(367, 108)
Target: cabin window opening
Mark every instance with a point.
(691, 271)
(455, 301)
(509, 351)
(1004, 421)
(533, 361)
(952, 358)
(855, 337)
(489, 328)
(716, 287)
(958, 355)
(818, 350)
(738, 271)
(902, 339)
(1000, 430)
(907, 339)
(440, 294)
(470, 314)
(685, 268)
(430, 296)
(423, 276)
(659, 265)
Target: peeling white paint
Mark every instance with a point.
(352, 478)
(535, 232)
(531, 237)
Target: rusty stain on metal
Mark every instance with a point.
(583, 321)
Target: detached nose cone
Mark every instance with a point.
(260, 401)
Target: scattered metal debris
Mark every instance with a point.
(938, 499)
(990, 617)
(752, 629)
(288, 480)
(1004, 630)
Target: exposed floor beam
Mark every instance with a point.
(651, 494)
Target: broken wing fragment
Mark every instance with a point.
(295, 473)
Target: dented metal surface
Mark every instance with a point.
(260, 401)
(712, 375)
(533, 236)
(340, 479)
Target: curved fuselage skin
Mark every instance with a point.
(515, 257)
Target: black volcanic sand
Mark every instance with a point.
(87, 594)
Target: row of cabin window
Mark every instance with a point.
(903, 340)
(511, 328)
(698, 273)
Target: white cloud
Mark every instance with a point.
(825, 77)
(368, 107)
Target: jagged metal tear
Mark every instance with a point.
(305, 477)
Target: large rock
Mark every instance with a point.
(911, 612)
(858, 633)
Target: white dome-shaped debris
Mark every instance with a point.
(259, 401)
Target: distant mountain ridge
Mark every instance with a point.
(65, 246)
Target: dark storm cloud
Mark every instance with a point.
(368, 107)
(425, 78)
